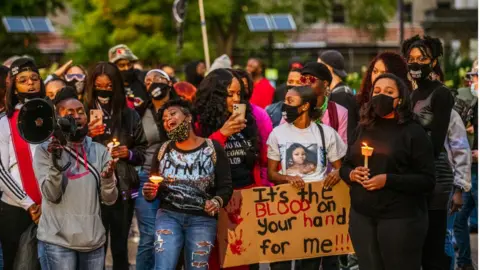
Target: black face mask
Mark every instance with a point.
(382, 105)
(104, 93)
(24, 97)
(158, 91)
(128, 75)
(290, 113)
(79, 134)
(419, 72)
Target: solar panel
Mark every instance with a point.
(258, 23)
(283, 22)
(16, 24)
(41, 25)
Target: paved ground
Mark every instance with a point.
(132, 250)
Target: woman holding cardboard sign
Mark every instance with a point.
(388, 215)
(303, 149)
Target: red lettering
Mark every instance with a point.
(285, 206)
(268, 210)
(260, 210)
(331, 218)
(307, 207)
(299, 207)
(307, 219)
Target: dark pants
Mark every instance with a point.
(434, 256)
(388, 244)
(13, 222)
(117, 220)
(327, 263)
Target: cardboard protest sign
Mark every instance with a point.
(281, 223)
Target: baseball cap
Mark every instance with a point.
(334, 59)
(121, 52)
(317, 70)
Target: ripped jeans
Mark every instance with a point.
(174, 231)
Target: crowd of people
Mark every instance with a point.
(173, 152)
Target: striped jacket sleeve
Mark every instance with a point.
(8, 185)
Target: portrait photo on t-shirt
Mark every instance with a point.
(301, 158)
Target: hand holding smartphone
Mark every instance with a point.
(96, 115)
(240, 110)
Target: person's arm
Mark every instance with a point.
(422, 179)
(442, 104)
(223, 178)
(108, 185)
(49, 178)
(460, 153)
(137, 152)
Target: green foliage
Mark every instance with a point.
(370, 15)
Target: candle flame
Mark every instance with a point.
(114, 140)
(365, 144)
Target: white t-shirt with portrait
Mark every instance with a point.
(300, 151)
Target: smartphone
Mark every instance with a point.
(240, 109)
(96, 114)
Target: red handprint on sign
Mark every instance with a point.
(233, 210)
(236, 244)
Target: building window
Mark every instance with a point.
(407, 12)
(338, 13)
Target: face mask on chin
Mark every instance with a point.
(180, 133)
(24, 97)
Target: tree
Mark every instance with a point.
(20, 44)
(147, 26)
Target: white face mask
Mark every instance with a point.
(473, 89)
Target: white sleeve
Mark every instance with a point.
(336, 148)
(273, 148)
(8, 185)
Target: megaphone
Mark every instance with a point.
(37, 122)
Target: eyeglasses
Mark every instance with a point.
(24, 79)
(308, 80)
(71, 77)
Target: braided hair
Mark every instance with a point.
(429, 46)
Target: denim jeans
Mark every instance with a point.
(146, 212)
(60, 258)
(461, 229)
(174, 231)
(450, 240)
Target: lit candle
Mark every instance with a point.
(112, 145)
(156, 179)
(367, 152)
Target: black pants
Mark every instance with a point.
(117, 220)
(388, 244)
(13, 222)
(434, 257)
(327, 263)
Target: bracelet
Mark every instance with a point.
(216, 202)
(219, 200)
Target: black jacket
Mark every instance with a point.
(130, 134)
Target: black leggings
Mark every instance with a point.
(388, 244)
(14, 221)
(434, 257)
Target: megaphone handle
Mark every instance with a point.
(55, 158)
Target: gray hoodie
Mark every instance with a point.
(71, 200)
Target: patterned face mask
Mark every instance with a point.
(180, 133)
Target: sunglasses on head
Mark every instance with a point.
(308, 79)
(71, 77)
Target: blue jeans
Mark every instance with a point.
(461, 229)
(60, 258)
(450, 239)
(146, 212)
(196, 234)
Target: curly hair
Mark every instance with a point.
(210, 106)
(429, 46)
(403, 112)
(394, 63)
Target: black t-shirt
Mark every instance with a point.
(402, 152)
(237, 149)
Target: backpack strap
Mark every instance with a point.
(324, 150)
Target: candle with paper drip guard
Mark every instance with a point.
(156, 179)
(367, 152)
(114, 143)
